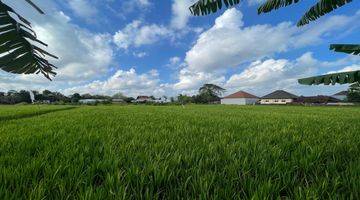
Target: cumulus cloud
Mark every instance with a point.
(128, 82)
(264, 76)
(229, 43)
(83, 55)
(189, 80)
(137, 33)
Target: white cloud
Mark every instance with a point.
(353, 67)
(83, 55)
(137, 34)
(174, 60)
(189, 80)
(128, 82)
(229, 43)
(262, 77)
(83, 8)
(180, 13)
(140, 54)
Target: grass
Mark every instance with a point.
(202, 152)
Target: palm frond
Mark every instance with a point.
(35, 6)
(270, 5)
(205, 7)
(341, 78)
(321, 8)
(346, 48)
(18, 54)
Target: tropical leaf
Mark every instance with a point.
(321, 8)
(18, 54)
(270, 5)
(346, 48)
(205, 7)
(341, 78)
(35, 6)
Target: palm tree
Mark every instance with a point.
(18, 54)
(322, 7)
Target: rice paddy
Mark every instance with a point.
(171, 152)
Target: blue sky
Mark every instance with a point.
(148, 47)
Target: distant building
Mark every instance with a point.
(317, 100)
(279, 97)
(143, 99)
(341, 95)
(161, 100)
(240, 98)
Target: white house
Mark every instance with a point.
(341, 95)
(278, 97)
(143, 99)
(240, 98)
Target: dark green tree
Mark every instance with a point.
(75, 98)
(211, 89)
(184, 99)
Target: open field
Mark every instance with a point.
(217, 152)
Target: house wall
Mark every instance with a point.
(239, 101)
(275, 101)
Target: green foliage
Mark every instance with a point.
(171, 152)
(270, 5)
(14, 97)
(18, 54)
(321, 8)
(341, 78)
(205, 7)
(75, 98)
(346, 48)
(354, 93)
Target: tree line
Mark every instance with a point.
(207, 94)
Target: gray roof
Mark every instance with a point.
(280, 94)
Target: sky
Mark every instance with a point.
(155, 47)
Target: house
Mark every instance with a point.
(317, 100)
(161, 100)
(341, 95)
(279, 97)
(240, 98)
(143, 99)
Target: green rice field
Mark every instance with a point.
(171, 152)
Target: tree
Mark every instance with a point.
(119, 96)
(211, 89)
(208, 93)
(75, 98)
(322, 7)
(18, 54)
(354, 93)
(184, 99)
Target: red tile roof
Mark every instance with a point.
(240, 94)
